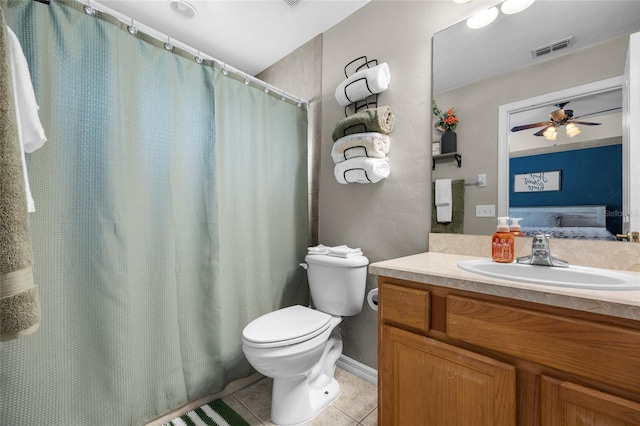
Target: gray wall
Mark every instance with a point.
(391, 218)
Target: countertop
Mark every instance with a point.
(441, 269)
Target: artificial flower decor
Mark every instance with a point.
(445, 121)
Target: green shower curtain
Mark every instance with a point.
(171, 210)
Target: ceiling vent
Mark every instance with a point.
(292, 3)
(558, 45)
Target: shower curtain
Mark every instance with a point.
(171, 210)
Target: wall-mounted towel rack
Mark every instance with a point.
(360, 84)
(480, 181)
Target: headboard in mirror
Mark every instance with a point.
(477, 71)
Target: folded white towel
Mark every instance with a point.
(370, 144)
(363, 83)
(319, 249)
(30, 131)
(361, 170)
(344, 251)
(443, 200)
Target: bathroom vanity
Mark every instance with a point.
(457, 348)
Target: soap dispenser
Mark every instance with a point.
(502, 242)
(515, 228)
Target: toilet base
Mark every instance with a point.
(294, 404)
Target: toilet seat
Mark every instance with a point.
(286, 326)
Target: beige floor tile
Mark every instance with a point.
(257, 398)
(371, 419)
(237, 406)
(357, 398)
(331, 416)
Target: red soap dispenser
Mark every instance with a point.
(502, 242)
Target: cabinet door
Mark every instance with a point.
(567, 404)
(429, 383)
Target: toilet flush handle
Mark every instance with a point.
(304, 265)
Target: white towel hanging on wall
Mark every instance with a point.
(30, 131)
(443, 200)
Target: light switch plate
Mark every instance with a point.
(486, 210)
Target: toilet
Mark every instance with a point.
(299, 346)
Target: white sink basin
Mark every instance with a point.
(573, 276)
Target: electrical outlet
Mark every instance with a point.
(486, 210)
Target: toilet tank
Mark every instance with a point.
(337, 284)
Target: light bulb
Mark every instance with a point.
(510, 7)
(572, 130)
(550, 133)
(482, 18)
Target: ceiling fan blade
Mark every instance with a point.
(530, 126)
(585, 123)
(599, 112)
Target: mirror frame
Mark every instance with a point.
(504, 112)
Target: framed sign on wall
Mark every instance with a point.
(537, 181)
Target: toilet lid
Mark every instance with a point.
(286, 326)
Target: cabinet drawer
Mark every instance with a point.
(404, 306)
(601, 352)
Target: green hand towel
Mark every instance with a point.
(380, 120)
(19, 305)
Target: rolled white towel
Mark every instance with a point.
(363, 83)
(361, 170)
(344, 251)
(370, 144)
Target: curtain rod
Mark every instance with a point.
(91, 7)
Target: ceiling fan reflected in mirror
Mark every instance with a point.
(561, 117)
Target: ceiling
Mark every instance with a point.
(249, 35)
(506, 44)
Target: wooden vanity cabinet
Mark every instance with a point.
(452, 357)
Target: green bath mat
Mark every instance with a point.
(215, 413)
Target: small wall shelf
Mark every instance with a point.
(448, 155)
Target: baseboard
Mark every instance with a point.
(358, 369)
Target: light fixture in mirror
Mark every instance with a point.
(483, 18)
(550, 134)
(509, 7)
(572, 130)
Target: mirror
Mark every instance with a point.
(477, 71)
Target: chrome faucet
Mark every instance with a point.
(541, 253)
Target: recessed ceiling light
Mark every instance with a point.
(482, 18)
(510, 7)
(183, 9)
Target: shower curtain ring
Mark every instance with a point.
(132, 28)
(198, 59)
(88, 9)
(168, 46)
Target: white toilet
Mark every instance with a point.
(298, 346)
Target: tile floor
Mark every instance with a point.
(357, 404)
